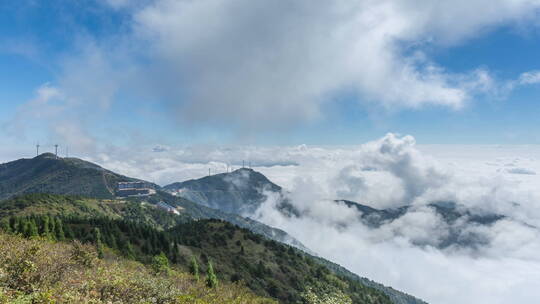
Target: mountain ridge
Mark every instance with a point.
(47, 173)
(237, 192)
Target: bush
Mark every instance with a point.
(160, 263)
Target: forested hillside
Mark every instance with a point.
(268, 268)
(37, 270)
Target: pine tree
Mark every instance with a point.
(175, 253)
(51, 229)
(194, 268)
(59, 230)
(68, 232)
(5, 226)
(45, 227)
(211, 278)
(130, 253)
(99, 244)
(33, 230)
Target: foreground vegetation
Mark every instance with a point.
(40, 271)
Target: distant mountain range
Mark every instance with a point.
(454, 215)
(243, 191)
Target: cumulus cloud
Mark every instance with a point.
(251, 66)
(532, 77)
(403, 253)
(256, 65)
(390, 172)
(50, 111)
(388, 254)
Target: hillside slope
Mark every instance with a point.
(268, 268)
(142, 210)
(47, 174)
(39, 271)
(197, 211)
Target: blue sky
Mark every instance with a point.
(180, 72)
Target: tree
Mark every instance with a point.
(194, 268)
(45, 231)
(5, 226)
(99, 244)
(211, 278)
(59, 230)
(160, 263)
(29, 228)
(130, 253)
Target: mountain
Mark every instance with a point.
(240, 192)
(136, 228)
(268, 268)
(237, 192)
(456, 217)
(48, 174)
(197, 212)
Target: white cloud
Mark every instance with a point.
(256, 65)
(532, 77)
(390, 172)
(51, 112)
(521, 171)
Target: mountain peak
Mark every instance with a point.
(46, 173)
(46, 155)
(239, 191)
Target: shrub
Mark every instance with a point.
(211, 278)
(160, 263)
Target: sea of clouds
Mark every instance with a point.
(390, 172)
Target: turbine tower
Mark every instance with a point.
(56, 150)
(37, 149)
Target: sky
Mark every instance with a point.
(388, 103)
(93, 73)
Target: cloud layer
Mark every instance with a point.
(390, 172)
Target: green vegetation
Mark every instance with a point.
(268, 268)
(36, 271)
(81, 207)
(47, 174)
(211, 278)
(194, 268)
